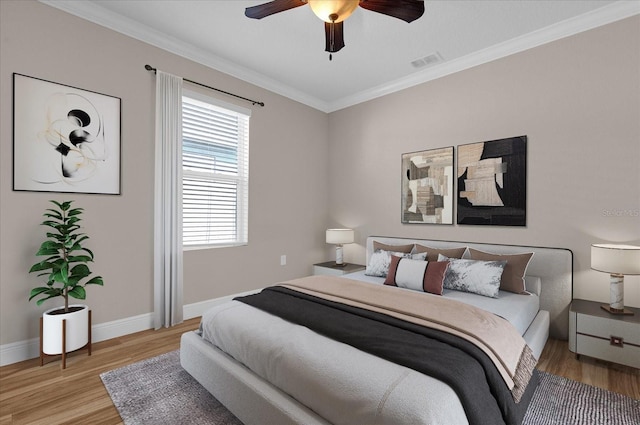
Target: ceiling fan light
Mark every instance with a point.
(325, 8)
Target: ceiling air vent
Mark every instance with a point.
(429, 60)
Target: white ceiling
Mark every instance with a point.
(285, 52)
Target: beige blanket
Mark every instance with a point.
(492, 334)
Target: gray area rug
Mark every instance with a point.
(159, 391)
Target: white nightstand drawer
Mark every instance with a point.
(600, 348)
(597, 333)
(606, 328)
(319, 270)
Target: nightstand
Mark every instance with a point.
(596, 333)
(330, 268)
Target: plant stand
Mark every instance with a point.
(64, 343)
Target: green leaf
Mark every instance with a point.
(37, 291)
(64, 272)
(51, 251)
(58, 262)
(53, 214)
(43, 265)
(80, 271)
(78, 292)
(71, 228)
(79, 259)
(88, 251)
(52, 224)
(56, 236)
(42, 300)
(50, 245)
(74, 247)
(96, 281)
(49, 292)
(58, 276)
(75, 212)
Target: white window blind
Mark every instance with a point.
(215, 180)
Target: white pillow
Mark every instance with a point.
(410, 274)
(475, 276)
(380, 260)
(417, 275)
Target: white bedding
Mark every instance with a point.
(333, 379)
(329, 376)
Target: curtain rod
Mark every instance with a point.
(254, 102)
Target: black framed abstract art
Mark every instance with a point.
(492, 182)
(427, 186)
(65, 139)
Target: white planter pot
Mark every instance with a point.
(77, 330)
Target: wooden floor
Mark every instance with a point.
(30, 394)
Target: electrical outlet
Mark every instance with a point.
(283, 260)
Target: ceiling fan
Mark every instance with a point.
(334, 12)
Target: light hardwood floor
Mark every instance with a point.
(30, 394)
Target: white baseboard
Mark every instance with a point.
(24, 350)
(197, 309)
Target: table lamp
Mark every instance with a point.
(618, 260)
(339, 237)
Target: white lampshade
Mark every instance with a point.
(340, 236)
(617, 259)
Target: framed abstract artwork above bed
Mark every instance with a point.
(427, 186)
(492, 182)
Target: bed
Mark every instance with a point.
(268, 370)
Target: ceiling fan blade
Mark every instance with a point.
(334, 36)
(262, 10)
(407, 10)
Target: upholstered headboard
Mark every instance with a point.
(554, 267)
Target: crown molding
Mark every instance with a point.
(113, 21)
(596, 18)
(599, 17)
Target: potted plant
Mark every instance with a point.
(66, 270)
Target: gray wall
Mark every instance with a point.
(288, 173)
(577, 100)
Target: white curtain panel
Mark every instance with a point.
(168, 202)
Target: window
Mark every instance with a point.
(215, 167)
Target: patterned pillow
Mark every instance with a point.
(477, 277)
(381, 259)
(417, 275)
(513, 277)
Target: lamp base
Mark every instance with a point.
(339, 265)
(616, 311)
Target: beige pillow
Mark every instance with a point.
(513, 275)
(395, 248)
(432, 253)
